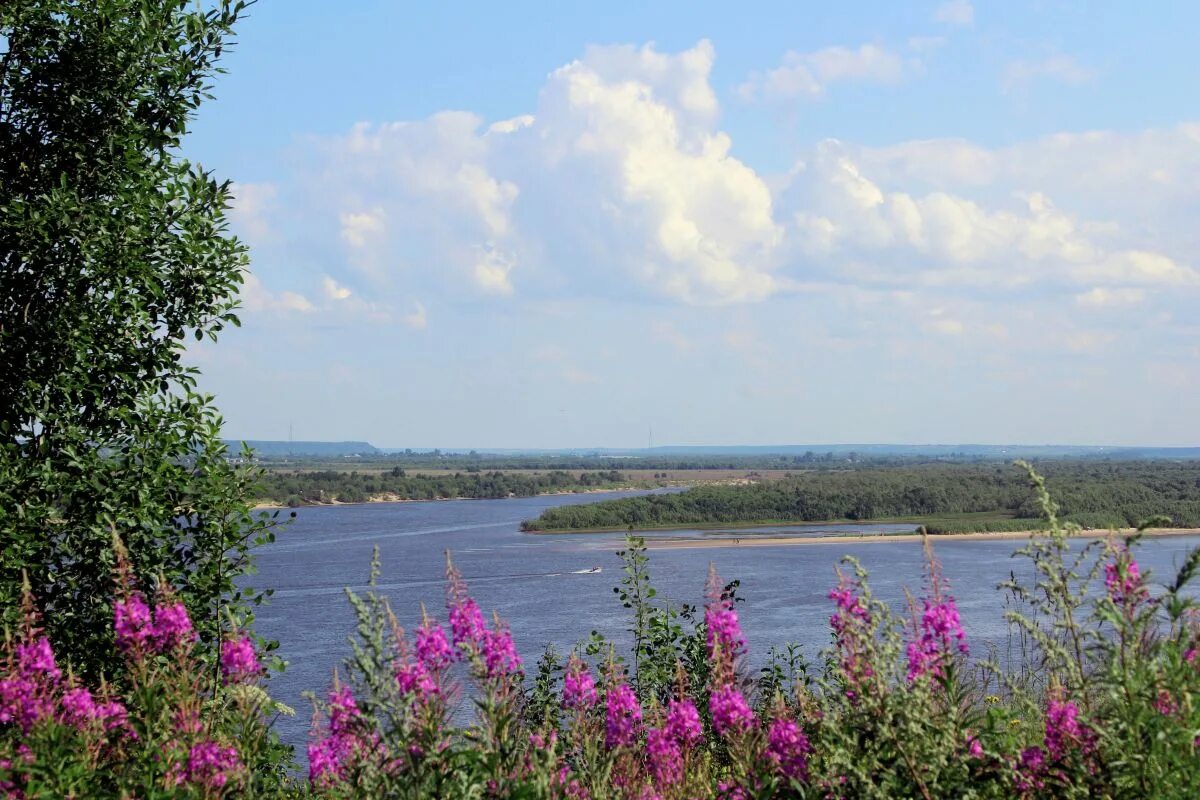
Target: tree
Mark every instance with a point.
(113, 254)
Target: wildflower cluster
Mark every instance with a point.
(161, 731)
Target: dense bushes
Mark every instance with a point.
(1091, 494)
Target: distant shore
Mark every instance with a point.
(865, 538)
(393, 498)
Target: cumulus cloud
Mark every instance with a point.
(848, 221)
(250, 208)
(334, 290)
(618, 183)
(1064, 69)
(955, 12)
(255, 297)
(1101, 297)
(807, 75)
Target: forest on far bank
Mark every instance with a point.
(945, 497)
(326, 486)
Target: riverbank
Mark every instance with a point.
(270, 505)
(865, 538)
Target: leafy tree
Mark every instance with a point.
(113, 253)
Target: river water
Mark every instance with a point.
(536, 584)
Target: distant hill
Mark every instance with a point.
(949, 451)
(275, 449)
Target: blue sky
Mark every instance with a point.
(559, 225)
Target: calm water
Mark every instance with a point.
(531, 580)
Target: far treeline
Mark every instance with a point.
(308, 488)
(945, 498)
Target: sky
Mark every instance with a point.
(562, 224)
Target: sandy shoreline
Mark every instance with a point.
(777, 541)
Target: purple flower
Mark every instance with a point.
(414, 678)
(36, 659)
(324, 763)
(939, 636)
(1030, 765)
(343, 710)
(723, 631)
(172, 627)
(210, 765)
(683, 722)
(788, 749)
(22, 701)
(500, 653)
(238, 660)
(1063, 728)
(663, 757)
(1123, 580)
(623, 716)
(579, 688)
(78, 707)
(730, 711)
(433, 649)
(131, 620)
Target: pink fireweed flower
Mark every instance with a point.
(24, 702)
(1123, 580)
(974, 746)
(1063, 728)
(131, 621)
(343, 709)
(663, 757)
(467, 625)
(432, 648)
(500, 653)
(730, 712)
(238, 660)
(939, 636)
(172, 627)
(36, 659)
(788, 749)
(1029, 768)
(723, 632)
(78, 707)
(683, 722)
(415, 679)
(210, 765)
(623, 716)
(1165, 704)
(851, 623)
(579, 688)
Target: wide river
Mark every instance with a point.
(534, 582)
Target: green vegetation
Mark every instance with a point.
(945, 498)
(113, 254)
(303, 488)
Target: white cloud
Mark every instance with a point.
(360, 228)
(255, 297)
(491, 273)
(846, 220)
(1101, 297)
(250, 209)
(809, 74)
(1064, 69)
(618, 183)
(334, 290)
(955, 12)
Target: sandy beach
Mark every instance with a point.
(777, 541)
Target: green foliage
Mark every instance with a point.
(113, 253)
(953, 497)
(299, 488)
